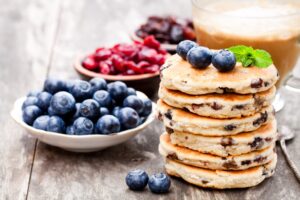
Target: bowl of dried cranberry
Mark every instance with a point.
(137, 64)
(168, 30)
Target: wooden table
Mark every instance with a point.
(41, 38)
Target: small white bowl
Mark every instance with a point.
(79, 143)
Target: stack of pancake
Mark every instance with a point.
(220, 127)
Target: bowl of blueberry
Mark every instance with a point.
(83, 116)
(137, 64)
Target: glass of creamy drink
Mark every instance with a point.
(272, 25)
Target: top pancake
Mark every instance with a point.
(178, 74)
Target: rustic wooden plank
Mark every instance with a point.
(58, 174)
(26, 34)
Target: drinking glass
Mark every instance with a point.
(272, 25)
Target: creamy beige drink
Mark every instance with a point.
(268, 25)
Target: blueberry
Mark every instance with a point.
(199, 57)
(34, 93)
(70, 130)
(30, 113)
(108, 124)
(29, 101)
(103, 98)
(81, 90)
(98, 84)
(53, 85)
(142, 120)
(44, 99)
(147, 107)
(103, 111)
(69, 85)
(128, 117)
(134, 102)
(90, 108)
(62, 103)
(224, 60)
(131, 91)
(117, 90)
(115, 112)
(51, 111)
(159, 183)
(137, 179)
(76, 112)
(183, 48)
(56, 124)
(83, 126)
(41, 122)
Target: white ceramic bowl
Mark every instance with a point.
(78, 143)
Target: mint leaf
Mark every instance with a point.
(246, 62)
(250, 57)
(262, 59)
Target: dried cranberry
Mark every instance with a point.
(155, 18)
(140, 33)
(159, 59)
(189, 33)
(143, 64)
(131, 65)
(162, 51)
(176, 34)
(151, 42)
(118, 63)
(151, 69)
(147, 54)
(125, 50)
(165, 27)
(104, 68)
(129, 72)
(90, 63)
(127, 59)
(102, 54)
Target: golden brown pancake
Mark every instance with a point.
(219, 105)
(223, 146)
(181, 120)
(221, 179)
(178, 74)
(208, 161)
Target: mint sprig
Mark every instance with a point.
(251, 57)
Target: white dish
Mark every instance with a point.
(79, 143)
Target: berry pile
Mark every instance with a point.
(138, 179)
(201, 57)
(127, 59)
(168, 29)
(81, 108)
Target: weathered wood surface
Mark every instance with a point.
(26, 36)
(60, 31)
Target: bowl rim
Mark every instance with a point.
(17, 108)
(79, 68)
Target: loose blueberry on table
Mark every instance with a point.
(137, 179)
(159, 183)
(126, 59)
(82, 108)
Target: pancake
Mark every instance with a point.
(223, 146)
(180, 120)
(178, 74)
(208, 161)
(221, 179)
(219, 105)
